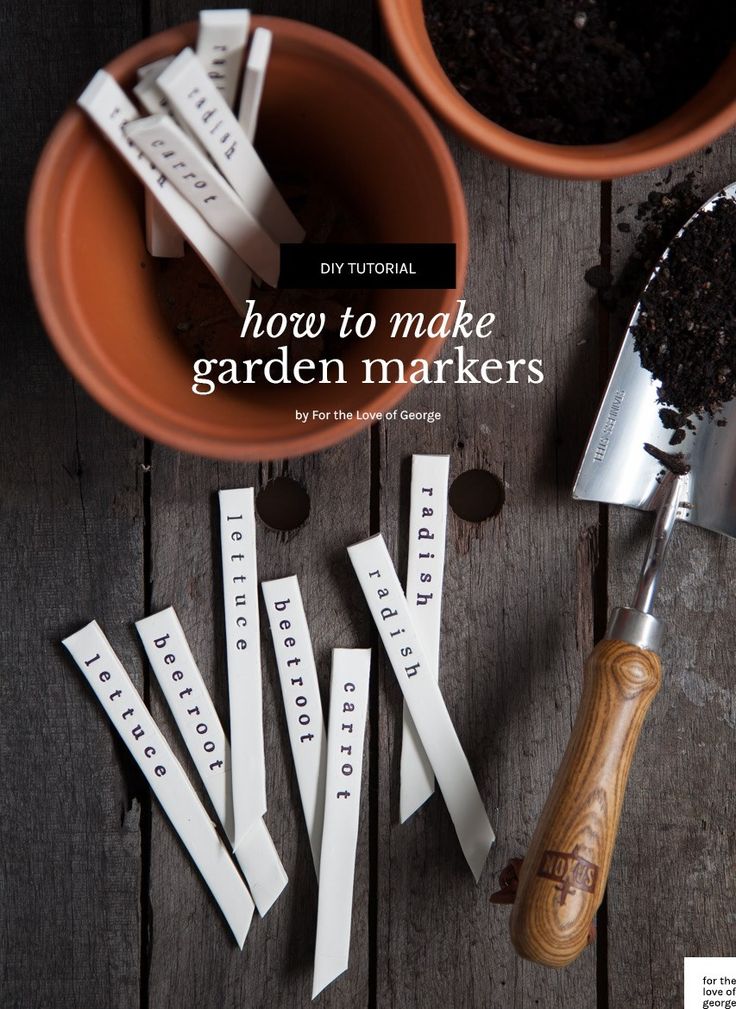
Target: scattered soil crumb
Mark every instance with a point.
(675, 462)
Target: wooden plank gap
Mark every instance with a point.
(600, 585)
(145, 799)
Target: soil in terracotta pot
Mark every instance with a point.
(202, 320)
(579, 71)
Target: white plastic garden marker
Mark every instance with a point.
(109, 107)
(149, 94)
(191, 705)
(94, 655)
(201, 107)
(302, 703)
(220, 48)
(153, 69)
(163, 239)
(345, 742)
(389, 609)
(424, 575)
(181, 161)
(254, 77)
(243, 647)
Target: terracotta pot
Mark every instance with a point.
(707, 116)
(338, 114)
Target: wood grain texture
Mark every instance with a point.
(514, 640)
(672, 884)
(563, 878)
(352, 20)
(71, 548)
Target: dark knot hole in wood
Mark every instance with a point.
(283, 504)
(476, 495)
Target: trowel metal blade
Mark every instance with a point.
(615, 467)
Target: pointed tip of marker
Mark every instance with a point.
(321, 981)
(478, 860)
(242, 934)
(265, 905)
(408, 809)
(234, 845)
(327, 972)
(264, 908)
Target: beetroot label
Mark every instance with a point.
(302, 703)
(182, 685)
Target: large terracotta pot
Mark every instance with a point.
(330, 109)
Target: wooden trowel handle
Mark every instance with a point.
(563, 877)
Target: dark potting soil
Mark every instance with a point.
(579, 71)
(686, 330)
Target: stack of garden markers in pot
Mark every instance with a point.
(193, 150)
(247, 871)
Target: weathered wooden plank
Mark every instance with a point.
(352, 20)
(71, 548)
(517, 617)
(672, 886)
(193, 959)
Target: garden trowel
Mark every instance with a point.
(563, 877)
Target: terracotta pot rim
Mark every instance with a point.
(141, 411)
(590, 162)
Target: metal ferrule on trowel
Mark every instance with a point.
(637, 623)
